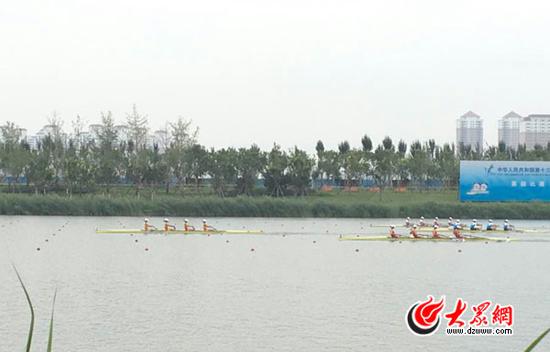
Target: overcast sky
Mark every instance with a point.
(286, 71)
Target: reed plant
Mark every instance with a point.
(423, 204)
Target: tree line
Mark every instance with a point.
(79, 165)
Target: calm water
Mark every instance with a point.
(299, 292)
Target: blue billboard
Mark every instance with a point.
(495, 181)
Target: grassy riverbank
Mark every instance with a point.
(360, 205)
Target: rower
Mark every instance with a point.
(474, 226)
(491, 226)
(187, 227)
(167, 226)
(436, 222)
(393, 234)
(413, 232)
(146, 226)
(456, 230)
(421, 223)
(435, 234)
(206, 227)
(507, 226)
(408, 222)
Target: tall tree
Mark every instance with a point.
(197, 161)
(107, 153)
(250, 161)
(319, 148)
(343, 147)
(14, 153)
(182, 134)
(137, 128)
(300, 167)
(388, 144)
(366, 142)
(222, 169)
(275, 172)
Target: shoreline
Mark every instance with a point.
(314, 206)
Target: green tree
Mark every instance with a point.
(182, 138)
(250, 162)
(79, 169)
(108, 156)
(419, 162)
(275, 174)
(366, 142)
(137, 128)
(197, 162)
(300, 167)
(383, 164)
(221, 168)
(319, 148)
(343, 147)
(329, 165)
(355, 164)
(41, 172)
(14, 153)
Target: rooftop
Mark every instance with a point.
(511, 115)
(538, 116)
(470, 114)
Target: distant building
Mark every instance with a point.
(23, 132)
(469, 131)
(161, 139)
(122, 133)
(47, 130)
(508, 130)
(535, 130)
(95, 131)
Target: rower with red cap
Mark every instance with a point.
(435, 234)
(393, 233)
(414, 233)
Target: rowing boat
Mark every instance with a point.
(180, 232)
(447, 229)
(412, 239)
(467, 230)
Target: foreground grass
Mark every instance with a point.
(357, 205)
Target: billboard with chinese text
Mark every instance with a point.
(489, 181)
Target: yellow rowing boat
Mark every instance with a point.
(179, 232)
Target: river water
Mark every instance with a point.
(294, 288)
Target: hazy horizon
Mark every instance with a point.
(287, 72)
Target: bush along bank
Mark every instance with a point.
(17, 204)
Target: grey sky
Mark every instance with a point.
(286, 71)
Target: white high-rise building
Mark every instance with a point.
(469, 131)
(160, 138)
(535, 130)
(508, 130)
(122, 133)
